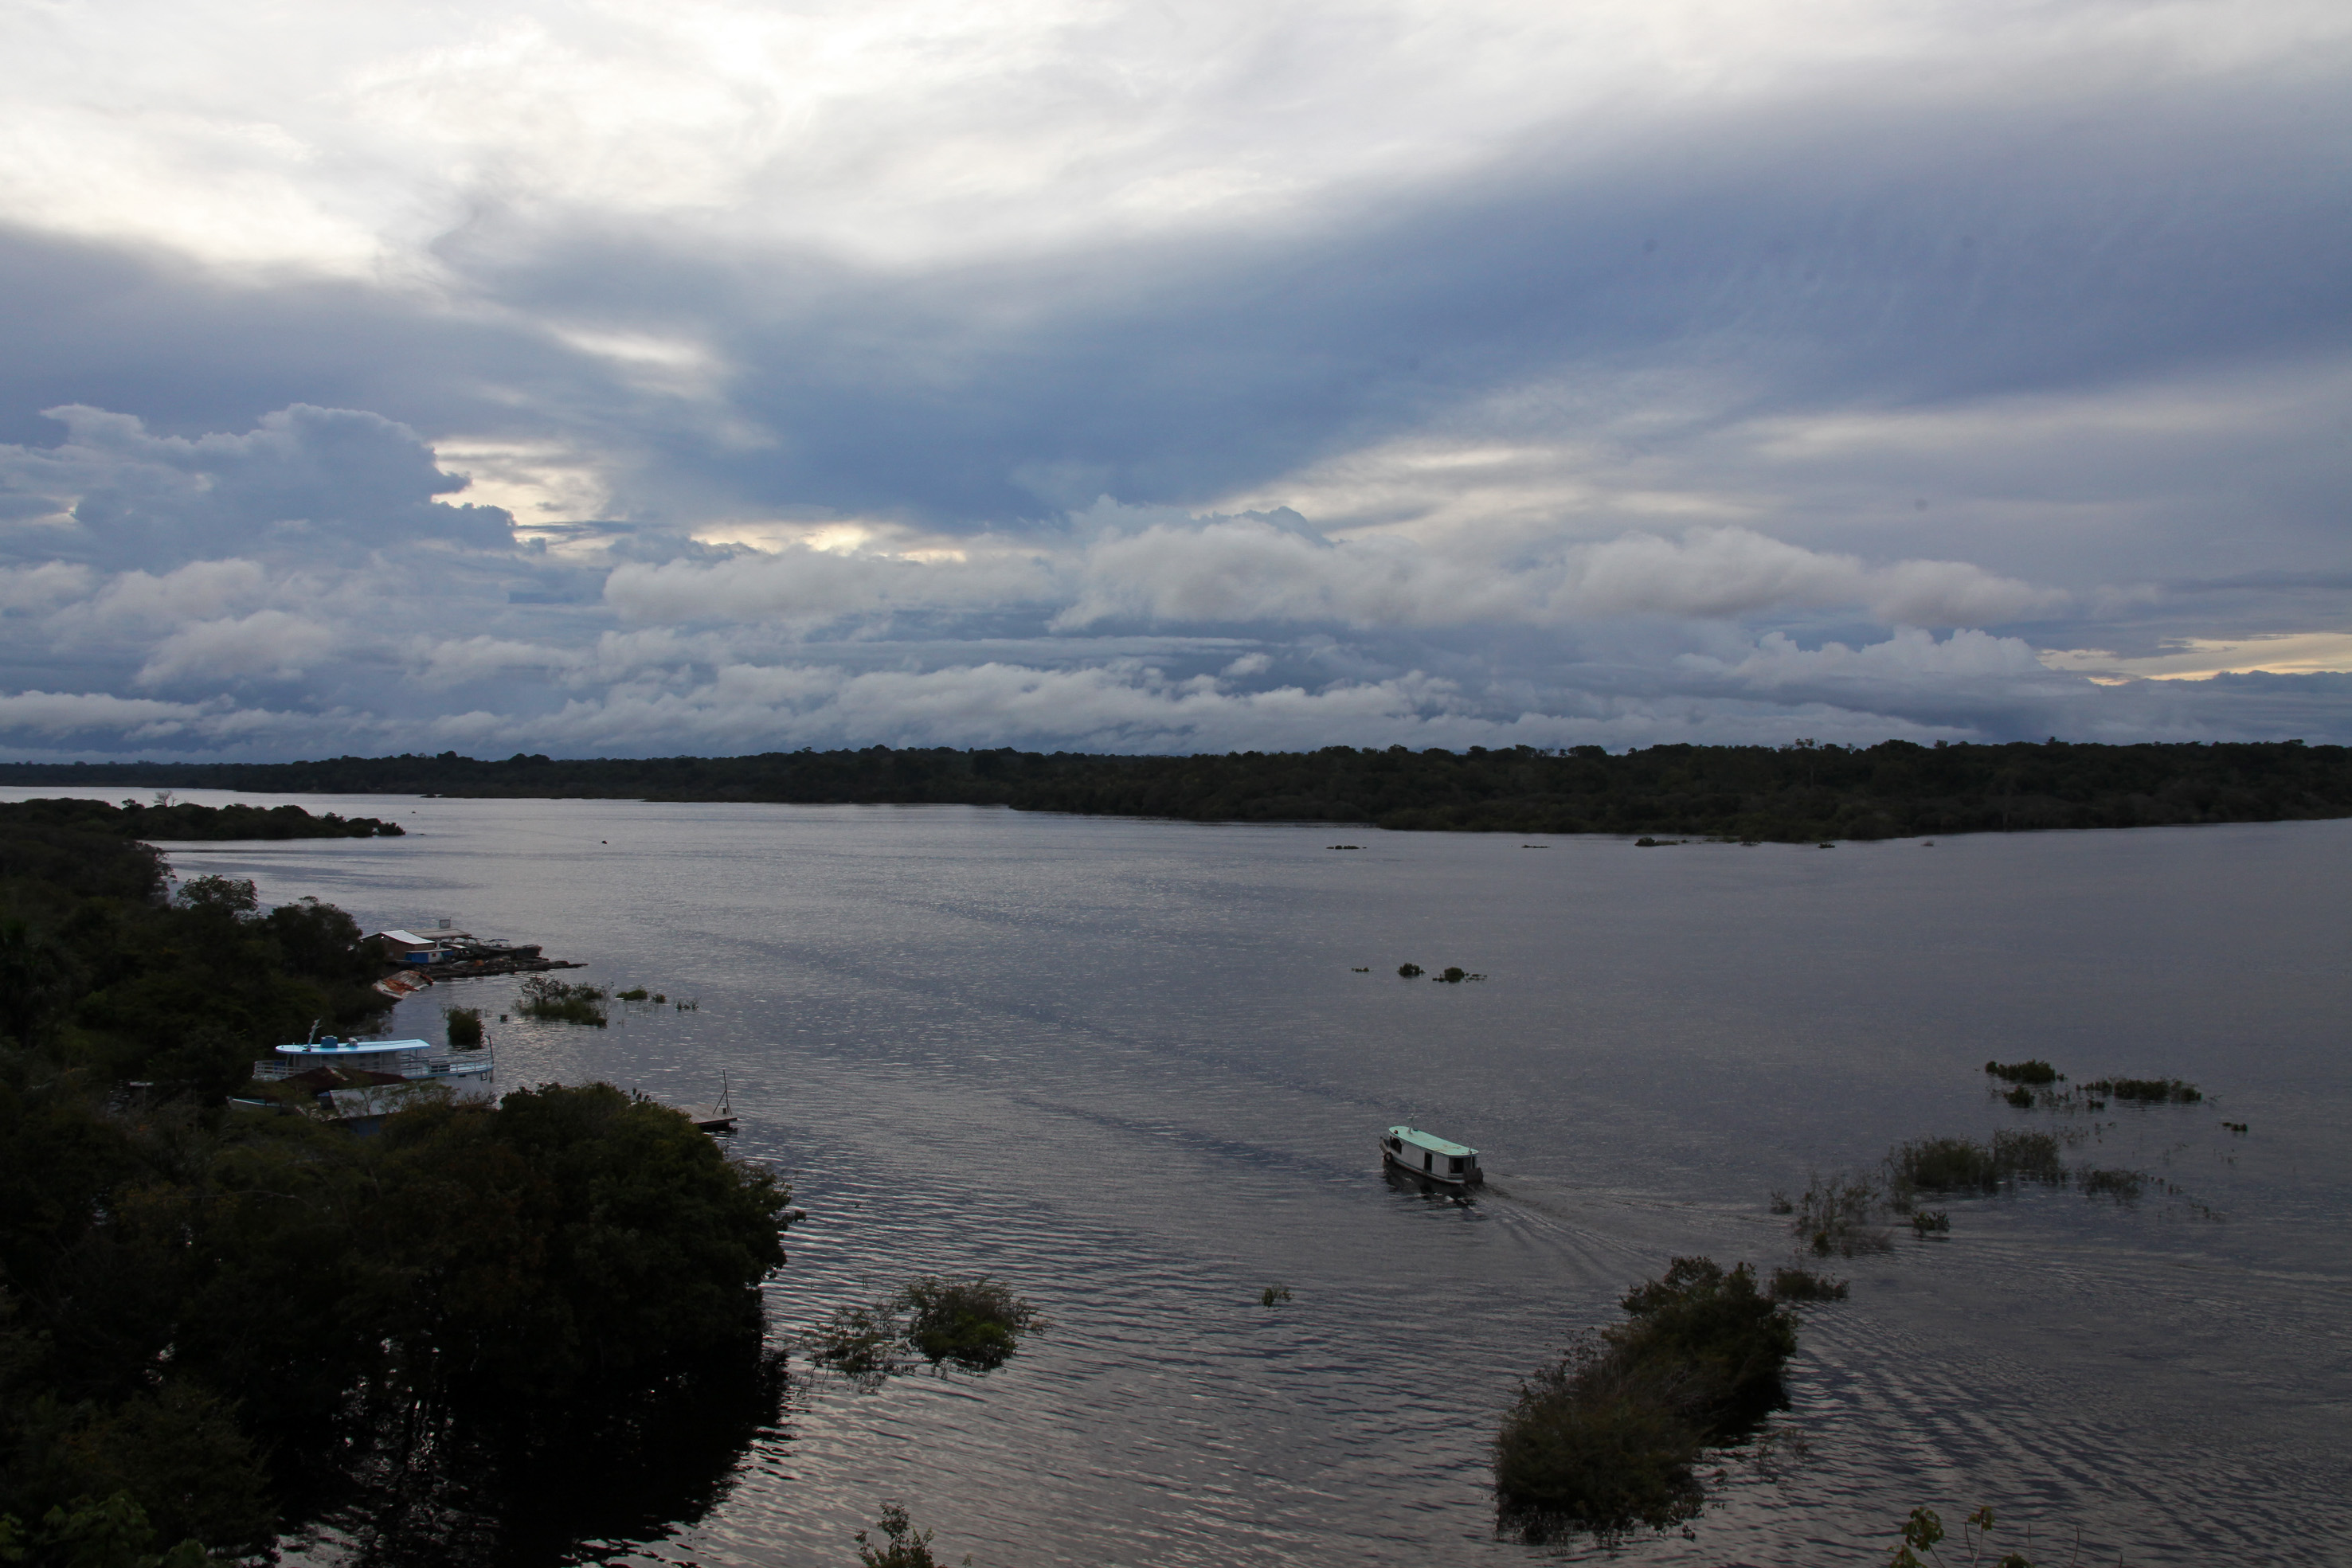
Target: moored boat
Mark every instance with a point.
(409, 1059)
(1427, 1155)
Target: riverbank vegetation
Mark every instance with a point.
(181, 822)
(1606, 1437)
(214, 1322)
(1799, 793)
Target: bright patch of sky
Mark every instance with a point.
(603, 378)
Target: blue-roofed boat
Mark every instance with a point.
(1431, 1157)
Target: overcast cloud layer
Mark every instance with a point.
(586, 380)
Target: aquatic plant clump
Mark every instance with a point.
(1605, 1439)
(1960, 1164)
(2123, 1185)
(561, 1001)
(2035, 1072)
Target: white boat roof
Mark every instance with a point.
(1430, 1141)
(330, 1046)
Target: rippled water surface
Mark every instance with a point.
(1129, 1067)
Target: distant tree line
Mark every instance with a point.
(214, 1322)
(1792, 793)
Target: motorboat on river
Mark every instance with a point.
(1427, 1155)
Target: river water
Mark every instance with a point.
(1133, 1069)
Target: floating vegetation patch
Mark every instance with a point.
(2034, 1071)
(1605, 1440)
(1794, 1283)
(2147, 1091)
(2235, 1126)
(561, 1002)
(2021, 1097)
(1453, 974)
(976, 1325)
(1274, 1296)
(634, 994)
(465, 1027)
(1411, 971)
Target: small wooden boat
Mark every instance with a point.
(1433, 1158)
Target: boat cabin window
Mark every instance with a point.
(1454, 1164)
(1426, 1157)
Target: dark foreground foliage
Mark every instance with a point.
(213, 1322)
(1605, 1440)
(1800, 793)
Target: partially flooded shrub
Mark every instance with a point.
(635, 993)
(2147, 1090)
(2028, 1156)
(2123, 1185)
(465, 1027)
(1411, 971)
(1594, 1442)
(863, 1342)
(1798, 1284)
(1944, 1165)
(1605, 1440)
(1927, 1222)
(2021, 1097)
(1837, 1215)
(1454, 975)
(976, 1323)
(2036, 1072)
(561, 1001)
(903, 1545)
(1273, 1295)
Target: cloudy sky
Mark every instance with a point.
(606, 379)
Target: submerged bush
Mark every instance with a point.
(2123, 1185)
(1944, 1165)
(561, 1002)
(1605, 1438)
(976, 1325)
(1798, 1284)
(465, 1027)
(2148, 1091)
(1960, 1165)
(1409, 971)
(2035, 1072)
(1836, 1216)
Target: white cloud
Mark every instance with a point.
(1247, 569)
(137, 720)
(267, 643)
(201, 590)
(807, 588)
(43, 587)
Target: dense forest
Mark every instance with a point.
(217, 1323)
(1793, 793)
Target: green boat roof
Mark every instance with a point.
(1430, 1141)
